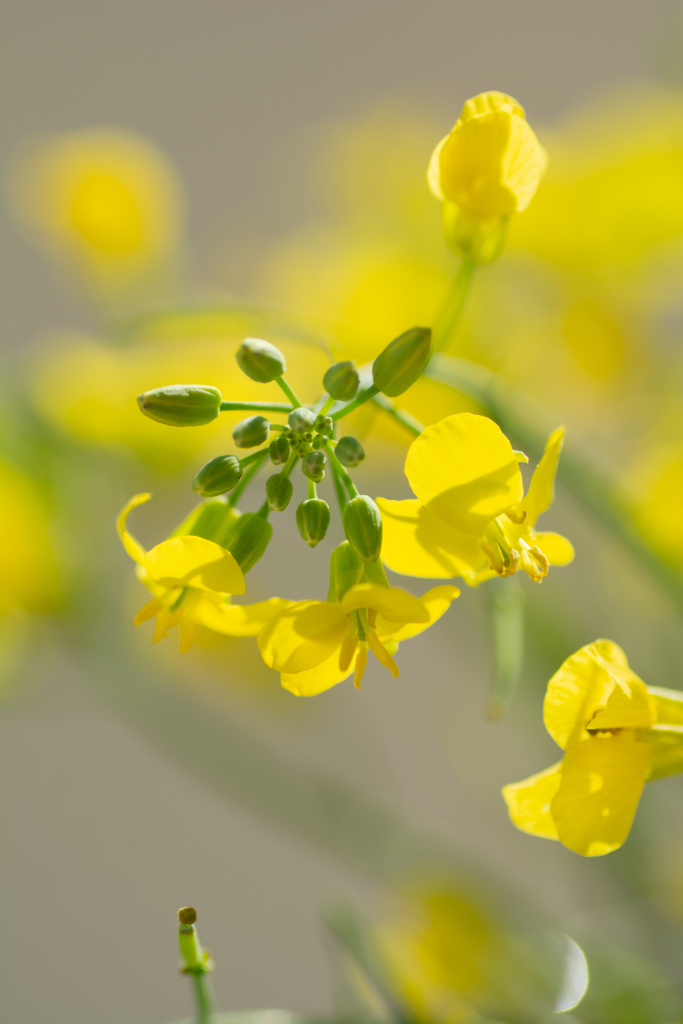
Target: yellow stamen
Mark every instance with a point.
(151, 609)
(359, 668)
(381, 653)
(186, 634)
(541, 559)
(372, 617)
(348, 647)
(516, 517)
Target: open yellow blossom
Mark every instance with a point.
(192, 579)
(490, 164)
(317, 644)
(470, 517)
(617, 734)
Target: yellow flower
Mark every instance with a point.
(317, 644)
(29, 575)
(617, 734)
(490, 164)
(470, 517)
(192, 579)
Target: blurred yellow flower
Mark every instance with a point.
(192, 579)
(29, 579)
(617, 735)
(317, 644)
(470, 517)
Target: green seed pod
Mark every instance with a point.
(214, 520)
(251, 432)
(218, 476)
(181, 405)
(402, 361)
(349, 451)
(346, 569)
(313, 465)
(318, 442)
(260, 360)
(279, 450)
(363, 527)
(249, 540)
(278, 492)
(324, 425)
(301, 420)
(341, 381)
(313, 518)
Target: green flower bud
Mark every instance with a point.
(251, 432)
(313, 518)
(278, 492)
(342, 381)
(363, 527)
(279, 450)
(324, 425)
(402, 361)
(318, 442)
(301, 420)
(214, 520)
(218, 476)
(313, 465)
(349, 451)
(346, 569)
(181, 405)
(249, 540)
(260, 360)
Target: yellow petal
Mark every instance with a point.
(540, 495)
(392, 603)
(133, 548)
(316, 680)
(464, 469)
(629, 706)
(303, 636)
(237, 619)
(381, 653)
(194, 562)
(490, 103)
(529, 802)
(434, 170)
(668, 705)
(415, 542)
(435, 602)
(602, 779)
(556, 548)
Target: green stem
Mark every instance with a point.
(256, 464)
(284, 386)
(255, 407)
(363, 397)
(507, 612)
(339, 469)
(407, 421)
(450, 314)
(254, 457)
(312, 492)
(264, 511)
(203, 998)
(289, 465)
(327, 406)
(339, 489)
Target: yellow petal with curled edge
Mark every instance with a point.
(541, 491)
(602, 779)
(303, 636)
(464, 469)
(415, 542)
(490, 103)
(581, 686)
(316, 680)
(132, 546)
(629, 706)
(556, 548)
(194, 562)
(435, 602)
(392, 603)
(236, 619)
(529, 802)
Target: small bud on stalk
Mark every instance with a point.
(278, 492)
(249, 540)
(251, 432)
(260, 360)
(402, 361)
(313, 519)
(181, 405)
(342, 381)
(363, 527)
(218, 476)
(324, 425)
(346, 569)
(318, 442)
(279, 450)
(301, 420)
(313, 465)
(349, 451)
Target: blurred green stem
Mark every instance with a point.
(405, 419)
(203, 998)
(284, 386)
(247, 477)
(339, 470)
(507, 619)
(451, 312)
(363, 397)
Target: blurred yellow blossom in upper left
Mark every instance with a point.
(105, 199)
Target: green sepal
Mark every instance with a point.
(214, 520)
(278, 492)
(472, 238)
(373, 572)
(346, 569)
(181, 405)
(279, 450)
(363, 526)
(402, 361)
(260, 360)
(249, 540)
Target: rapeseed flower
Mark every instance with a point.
(470, 517)
(617, 734)
(192, 580)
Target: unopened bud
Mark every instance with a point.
(301, 420)
(251, 432)
(249, 540)
(313, 519)
(318, 442)
(218, 476)
(313, 465)
(402, 361)
(363, 526)
(181, 405)
(279, 450)
(349, 451)
(346, 569)
(324, 425)
(341, 381)
(278, 492)
(260, 360)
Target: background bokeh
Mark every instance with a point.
(134, 782)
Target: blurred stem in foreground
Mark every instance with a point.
(507, 619)
(451, 311)
(196, 962)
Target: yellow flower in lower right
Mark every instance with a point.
(617, 734)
